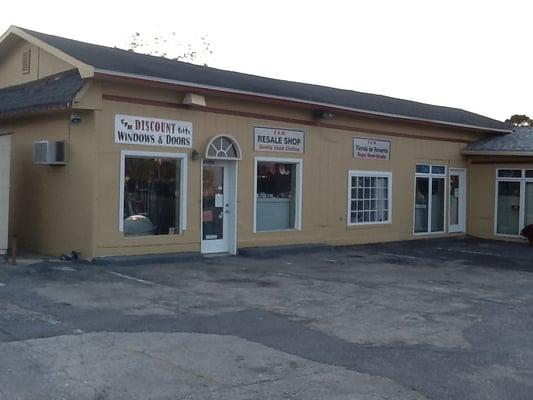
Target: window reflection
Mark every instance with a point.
(151, 196)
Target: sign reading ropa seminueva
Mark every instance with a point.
(279, 140)
(131, 129)
(370, 149)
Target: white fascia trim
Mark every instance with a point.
(497, 153)
(85, 70)
(270, 96)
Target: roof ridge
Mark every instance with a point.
(130, 52)
(121, 61)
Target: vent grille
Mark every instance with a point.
(40, 153)
(26, 61)
(50, 152)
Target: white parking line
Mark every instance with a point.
(131, 278)
(399, 255)
(2, 284)
(479, 253)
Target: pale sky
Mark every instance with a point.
(476, 55)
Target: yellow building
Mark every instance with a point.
(117, 153)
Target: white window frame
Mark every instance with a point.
(430, 175)
(522, 212)
(298, 195)
(369, 174)
(183, 182)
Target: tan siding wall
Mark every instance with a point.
(43, 64)
(58, 209)
(326, 162)
(51, 207)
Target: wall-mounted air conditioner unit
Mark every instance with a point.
(50, 152)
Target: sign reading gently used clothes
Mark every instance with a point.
(280, 140)
(131, 129)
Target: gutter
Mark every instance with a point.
(104, 72)
(497, 153)
(34, 110)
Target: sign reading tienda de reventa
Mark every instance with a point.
(370, 149)
(131, 129)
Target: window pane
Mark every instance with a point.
(508, 208)
(529, 204)
(438, 169)
(437, 205)
(212, 206)
(422, 169)
(454, 199)
(421, 204)
(529, 173)
(510, 173)
(275, 196)
(151, 196)
(371, 198)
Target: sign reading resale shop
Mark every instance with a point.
(370, 149)
(131, 129)
(279, 140)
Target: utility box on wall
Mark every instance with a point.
(5, 163)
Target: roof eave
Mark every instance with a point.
(497, 153)
(111, 73)
(35, 110)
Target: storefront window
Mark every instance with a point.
(151, 196)
(277, 195)
(514, 208)
(370, 197)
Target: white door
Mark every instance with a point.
(5, 162)
(219, 206)
(457, 202)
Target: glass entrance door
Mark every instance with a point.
(508, 208)
(214, 207)
(457, 200)
(430, 204)
(219, 206)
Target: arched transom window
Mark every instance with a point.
(223, 147)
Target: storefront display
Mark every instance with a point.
(151, 196)
(275, 196)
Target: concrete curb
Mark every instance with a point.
(166, 258)
(279, 251)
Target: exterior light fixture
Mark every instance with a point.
(323, 115)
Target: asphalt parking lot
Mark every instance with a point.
(432, 319)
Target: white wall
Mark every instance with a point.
(5, 162)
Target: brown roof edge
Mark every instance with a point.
(201, 89)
